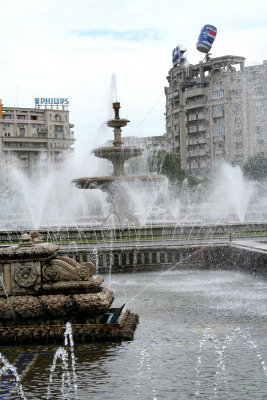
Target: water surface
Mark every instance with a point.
(202, 335)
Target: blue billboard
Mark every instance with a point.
(176, 55)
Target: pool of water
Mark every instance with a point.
(202, 335)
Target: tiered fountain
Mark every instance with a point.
(118, 154)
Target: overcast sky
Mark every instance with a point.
(71, 48)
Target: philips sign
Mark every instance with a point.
(47, 101)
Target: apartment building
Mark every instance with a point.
(149, 143)
(216, 110)
(28, 133)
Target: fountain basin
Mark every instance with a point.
(112, 153)
(102, 181)
(117, 123)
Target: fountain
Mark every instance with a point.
(42, 292)
(120, 202)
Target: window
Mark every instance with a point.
(57, 117)
(236, 93)
(176, 115)
(237, 120)
(259, 103)
(259, 129)
(218, 94)
(238, 132)
(58, 128)
(218, 131)
(219, 121)
(238, 145)
(260, 117)
(237, 107)
(217, 107)
(219, 84)
(260, 142)
(258, 90)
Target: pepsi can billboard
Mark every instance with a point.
(206, 38)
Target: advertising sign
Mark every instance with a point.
(51, 101)
(206, 38)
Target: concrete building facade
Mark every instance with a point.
(149, 143)
(27, 133)
(216, 110)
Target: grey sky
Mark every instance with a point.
(63, 48)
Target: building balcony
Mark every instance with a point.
(192, 129)
(23, 139)
(217, 139)
(24, 147)
(59, 136)
(201, 140)
(196, 117)
(202, 127)
(194, 92)
(193, 165)
(191, 142)
(197, 153)
(42, 130)
(193, 153)
(219, 152)
(218, 114)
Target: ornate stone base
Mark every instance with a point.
(54, 334)
(54, 306)
(40, 292)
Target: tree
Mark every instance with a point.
(256, 168)
(169, 164)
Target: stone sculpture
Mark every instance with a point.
(41, 292)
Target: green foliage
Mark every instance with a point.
(256, 168)
(169, 164)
